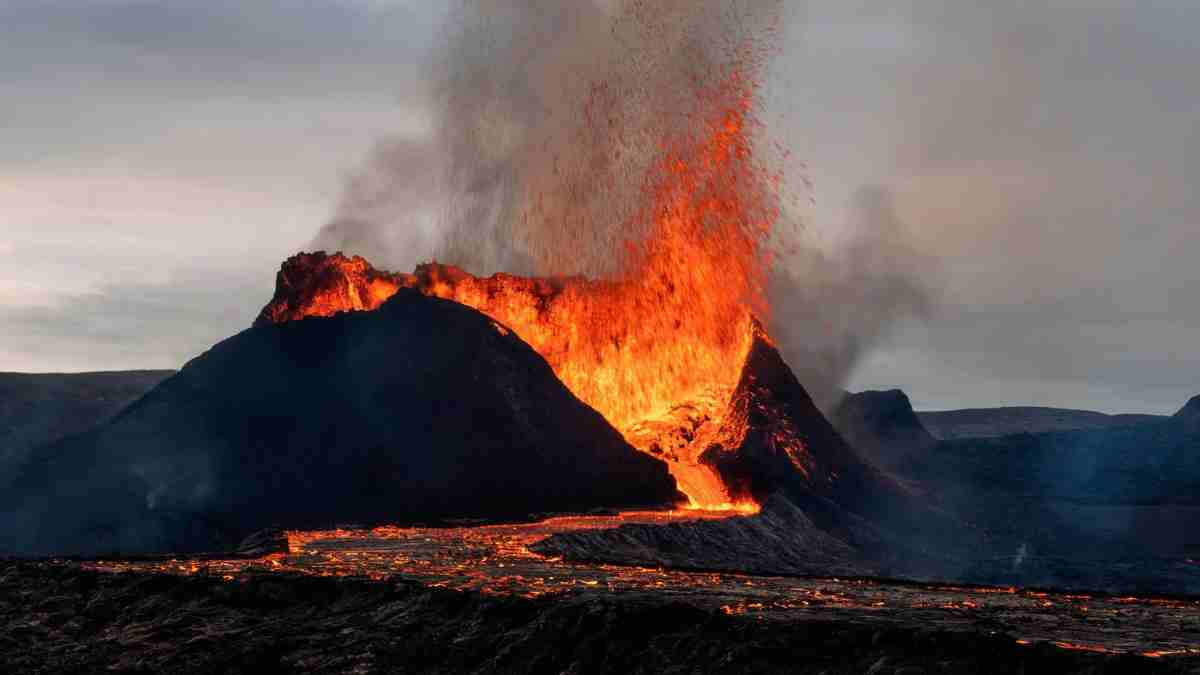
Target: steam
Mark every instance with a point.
(547, 116)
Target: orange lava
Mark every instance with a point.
(742, 507)
(658, 349)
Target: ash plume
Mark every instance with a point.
(548, 116)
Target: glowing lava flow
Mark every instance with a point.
(657, 350)
(496, 560)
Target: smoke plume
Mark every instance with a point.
(830, 308)
(548, 116)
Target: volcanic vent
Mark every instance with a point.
(658, 346)
(712, 411)
(650, 228)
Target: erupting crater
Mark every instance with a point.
(657, 348)
(667, 386)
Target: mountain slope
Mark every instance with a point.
(422, 408)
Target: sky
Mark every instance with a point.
(159, 159)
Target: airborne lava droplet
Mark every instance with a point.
(658, 347)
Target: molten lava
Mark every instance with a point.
(665, 395)
(657, 350)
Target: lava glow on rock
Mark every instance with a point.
(658, 349)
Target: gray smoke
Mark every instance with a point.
(830, 308)
(387, 206)
(547, 115)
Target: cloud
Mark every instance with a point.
(1043, 152)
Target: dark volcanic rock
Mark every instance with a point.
(57, 619)
(882, 426)
(787, 443)
(42, 408)
(423, 408)
(790, 448)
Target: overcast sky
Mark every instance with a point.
(159, 159)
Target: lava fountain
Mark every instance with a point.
(658, 347)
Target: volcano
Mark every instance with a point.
(662, 380)
(728, 448)
(424, 408)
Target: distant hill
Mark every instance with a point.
(882, 426)
(42, 408)
(994, 422)
(1074, 484)
(1131, 490)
